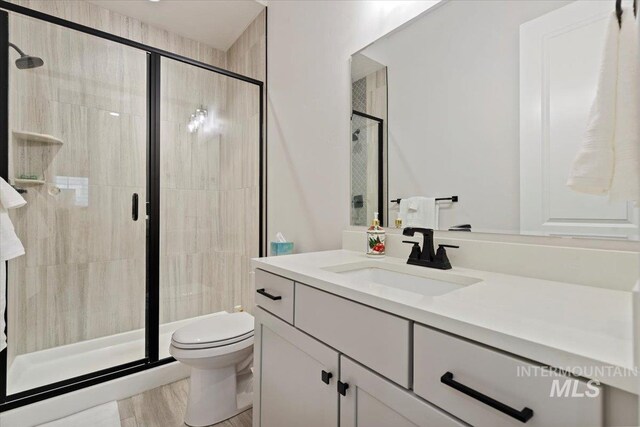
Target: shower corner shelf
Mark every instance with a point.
(37, 137)
(22, 181)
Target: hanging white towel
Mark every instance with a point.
(9, 197)
(3, 303)
(636, 322)
(10, 245)
(419, 212)
(609, 159)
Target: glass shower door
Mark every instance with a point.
(209, 194)
(77, 148)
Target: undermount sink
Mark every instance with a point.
(426, 283)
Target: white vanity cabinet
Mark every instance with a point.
(372, 401)
(322, 360)
(297, 377)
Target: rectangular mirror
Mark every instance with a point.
(476, 114)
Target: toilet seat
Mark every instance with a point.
(186, 354)
(217, 331)
(215, 344)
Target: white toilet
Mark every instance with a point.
(219, 351)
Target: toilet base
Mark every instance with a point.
(216, 395)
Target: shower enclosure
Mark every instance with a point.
(142, 172)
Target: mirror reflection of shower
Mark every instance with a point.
(26, 62)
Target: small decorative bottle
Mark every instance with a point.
(375, 238)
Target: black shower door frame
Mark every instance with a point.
(152, 285)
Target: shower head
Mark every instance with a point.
(25, 61)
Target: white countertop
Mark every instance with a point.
(585, 329)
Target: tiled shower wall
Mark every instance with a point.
(84, 272)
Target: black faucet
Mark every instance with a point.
(426, 256)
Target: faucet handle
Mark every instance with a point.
(442, 258)
(415, 250)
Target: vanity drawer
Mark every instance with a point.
(374, 338)
(275, 294)
(469, 380)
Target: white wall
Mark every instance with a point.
(453, 79)
(309, 46)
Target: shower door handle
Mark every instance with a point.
(134, 206)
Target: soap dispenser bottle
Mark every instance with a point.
(375, 239)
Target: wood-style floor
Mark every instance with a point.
(164, 407)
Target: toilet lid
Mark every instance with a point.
(215, 331)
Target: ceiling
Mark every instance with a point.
(217, 23)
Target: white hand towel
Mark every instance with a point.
(609, 159)
(3, 303)
(636, 322)
(10, 245)
(9, 197)
(419, 212)
(625, 184)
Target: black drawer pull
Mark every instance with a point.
(134, 207)
(326, 377)
(264, 292)
(342, 388)
(522, 416)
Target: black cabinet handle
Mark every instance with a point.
(522, 416)
(326, 377)
(134, 206)
(342, 388)
(264, 292)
